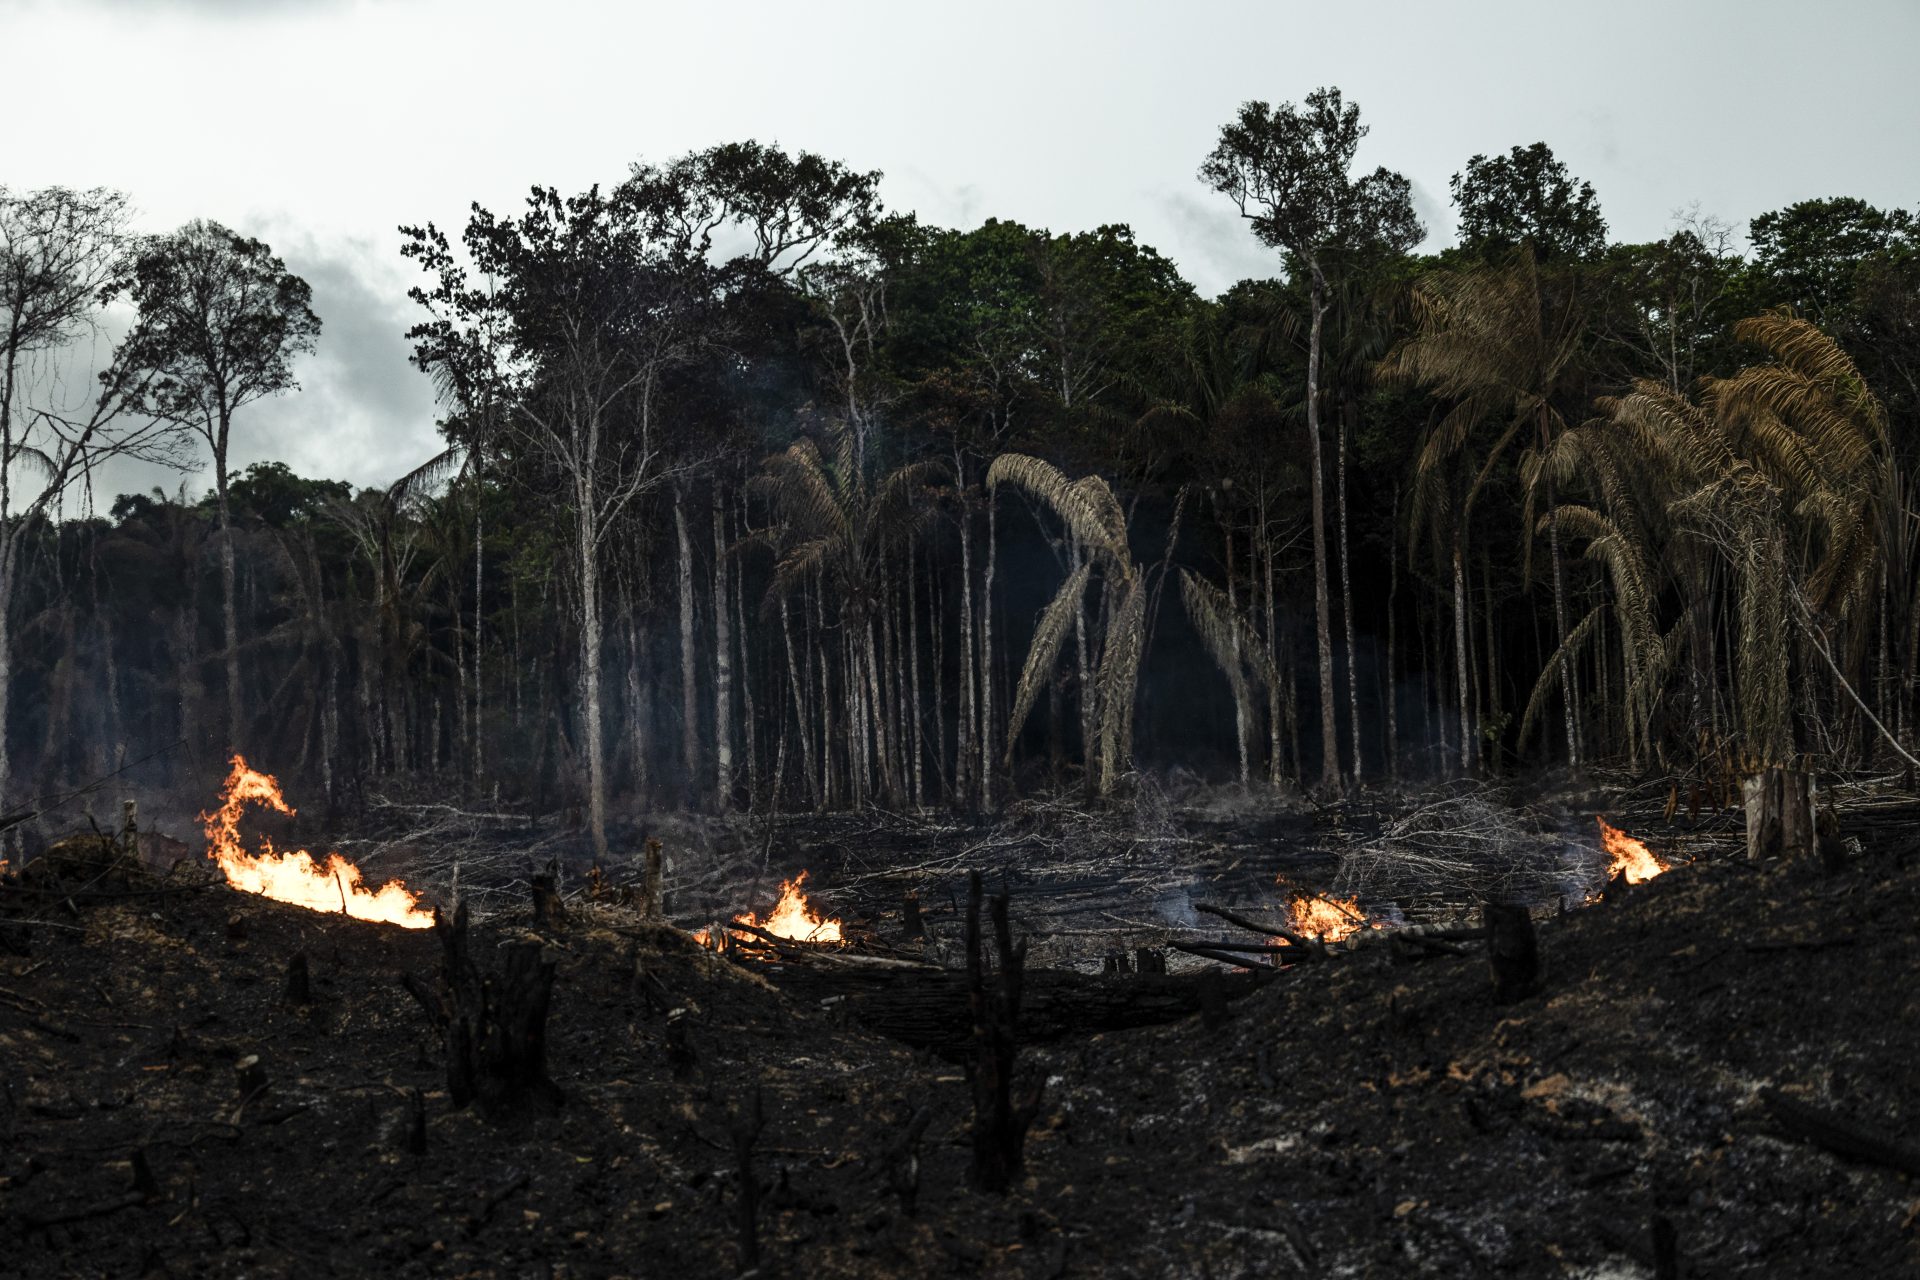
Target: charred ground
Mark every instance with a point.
(169, 1110)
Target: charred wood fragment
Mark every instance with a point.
(1000, 1121)
(494, 1026)
(744, 1127)
(1513, 950)
(913, 922)
(1837, 1134)
(416, 1123)
(681, 1057)
(299, 985)
(901, 1160)
(548, 909)
(1307, 945)
(651, 905)
(929, 1007)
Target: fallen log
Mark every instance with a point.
(927, 1007)
(1823, 1128)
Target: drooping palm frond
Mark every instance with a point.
(1048, 635)
(1550, 673)
(1089, 510)
(1230, 639)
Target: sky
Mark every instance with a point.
(321, 125)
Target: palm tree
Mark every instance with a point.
(1502, 344)
(836, 529)
(1783, 474)
(1098, 529)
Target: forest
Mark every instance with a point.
(1250, 659)
(758, 497)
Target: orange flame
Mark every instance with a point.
(331, 886)
(1628, 857)
(792, 917)
(1322, 917)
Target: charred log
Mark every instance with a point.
(494, 1026)
(1000, 1121)
(928, 1007)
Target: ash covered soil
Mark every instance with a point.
(1362, 1116)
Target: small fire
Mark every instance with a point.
(1629, 857)
(1324, 918)
(792, 917)
(331, 886)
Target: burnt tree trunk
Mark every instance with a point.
(999, 1123)
(494, 1025)
(1779, 805)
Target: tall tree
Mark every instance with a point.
(1526, 197)
(60, 253)
(1287, 170)
(220, 321)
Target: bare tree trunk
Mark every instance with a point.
(1273, 690)
(1390, 694)
(722, 661)
(229, 609)
(1322, 605)
(964, 743)
(637, 708)
(1569, 688)
(986, 660)
(1346, 598)
(590, 654)
(479, 691)
(1460, 656)
(794, 682)
(1238, 678)
(1492, 659)
(747, 722)
(689, 686)
(1089, 709)
(913, 675)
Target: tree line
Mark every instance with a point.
(757, 495)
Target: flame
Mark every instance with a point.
(792, 917)
(1628, 857)
(331, 886)
(1322, 917)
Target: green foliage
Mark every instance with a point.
(1526, 197)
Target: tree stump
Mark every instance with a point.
(999, 1123)
(494, 1025)
(1780, 819)
(548, 909)
(651, 905)
(1513, 950)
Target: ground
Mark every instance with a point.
(1358, 1117)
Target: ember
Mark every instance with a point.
(792, 917)
(1628, 856)
(334, 885)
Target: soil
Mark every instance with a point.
(168, 1111)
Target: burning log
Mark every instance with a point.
(1307, 946)
(999, 1123)
(1513, 950)
(494, 1026)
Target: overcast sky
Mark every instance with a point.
(320, 125)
